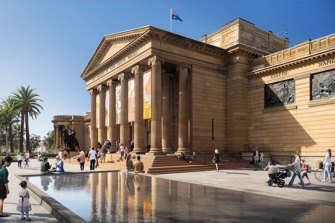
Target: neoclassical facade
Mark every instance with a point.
(237, 88)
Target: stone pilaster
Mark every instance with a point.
(93, 132)
(156, 106)
(56, 136)
(166, 115)
(183, 110)
(139, 128)
(112, 115)
(102, 131)
(124, 124)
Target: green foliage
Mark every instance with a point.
(48, 140)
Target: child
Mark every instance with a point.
(23, 204)
(304, 167)
(272, 170)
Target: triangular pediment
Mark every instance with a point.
(111, 45)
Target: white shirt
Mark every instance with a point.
(328, 160)
(92, 154)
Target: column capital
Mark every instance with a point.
(111, 82)
(101, 88)
(93, 91)
(123, 76)
(183, 66)
(137, 69)
(155, 59)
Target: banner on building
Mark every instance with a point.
(97, 113)
(107, 108)
(118, 103)
(147, 94)
(131, 100)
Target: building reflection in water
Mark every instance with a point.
(125, 197)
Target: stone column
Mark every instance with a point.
(124, 124)
(102, 131)
(183, 110)
(156, 106)
(112, 114)
(139, 128)
(93, 132)
(166, 115)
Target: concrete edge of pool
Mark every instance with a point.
(57, 210)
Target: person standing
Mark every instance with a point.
(82, 160)
(19, 160)
(129, 163)
(92, 156)
(304, 167)
(328, 166)
(4, 190)
(23, 204)
(26, 156)
(216, 159)
(121, 151)
(255, 158)
(296, 170)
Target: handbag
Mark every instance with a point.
(78, 159)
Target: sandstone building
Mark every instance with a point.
(237, 88)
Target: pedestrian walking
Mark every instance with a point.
(216, 159)
(296, 170)
(92, 155)
(328, 166)
(305, 167)
(19, 160)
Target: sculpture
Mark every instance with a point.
(70, 140)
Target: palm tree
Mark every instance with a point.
(8, 116)
(27, 102)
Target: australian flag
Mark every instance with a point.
(175, 16)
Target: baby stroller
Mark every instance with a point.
(277, 178)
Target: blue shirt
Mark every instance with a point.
(60, 166)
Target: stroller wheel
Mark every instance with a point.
(281, 183)
(270, 183)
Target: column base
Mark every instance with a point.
(154, 152)
(167, 150)
(139, 150)
(183, 150)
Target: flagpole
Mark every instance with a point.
(170, 20)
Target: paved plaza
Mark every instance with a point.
(239, 180)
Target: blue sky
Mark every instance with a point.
(47, 44)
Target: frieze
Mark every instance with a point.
(323, 85)
(327, 62)
(279, 94)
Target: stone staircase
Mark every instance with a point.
(161, 164)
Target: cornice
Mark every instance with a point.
(291, 63)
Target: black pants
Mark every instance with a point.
(82, 166)
(92, 165)
(19, 163)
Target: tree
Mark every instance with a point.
(48, 140)
(27, 102)
(8, 116)
(35, 141)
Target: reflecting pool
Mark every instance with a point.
(125, 197)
